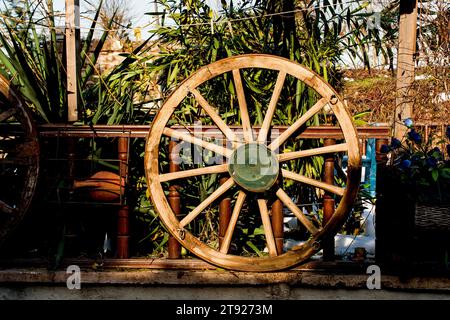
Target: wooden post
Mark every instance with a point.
(123, 236)
(328, 201)
(426, 133)
(72, 56)
(224, 213)
(405, 65)
(224, 206)
(278, 225)
(174, 201)
(363, 147)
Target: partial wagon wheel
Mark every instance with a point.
(240, 163)
(19, 159)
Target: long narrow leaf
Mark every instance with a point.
(88, 42)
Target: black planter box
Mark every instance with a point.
(405, 235)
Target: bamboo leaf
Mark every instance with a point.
(94, 57)
(88, 42)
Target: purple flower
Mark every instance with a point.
(414, 136)
(405, 164)
(408, 122)
(385, 149)
(395, 143)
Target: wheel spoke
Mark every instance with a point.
(7, 114)
(5, 208)
(272, 107)
(214, 196)
(284, 197)
(225, 245)
(199, 142)
(193, 173)
(267, 227)
(300, 122)
(226, 130)
(246, 124)
(312, 152)
(318, 184)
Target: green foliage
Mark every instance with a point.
(420, 167)
(121, 96)
(318, 36)
(32, 57)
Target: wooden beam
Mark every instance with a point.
(405, 65)
(72, 56)
(141, 131)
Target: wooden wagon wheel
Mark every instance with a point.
(239, 171)
(19, 159)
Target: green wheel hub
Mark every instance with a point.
(254, 167)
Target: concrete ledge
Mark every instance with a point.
(162, 279)
(41, 284)
(216, 278)
(223, 293)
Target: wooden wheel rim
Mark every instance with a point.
(32, 154)
(156, 191)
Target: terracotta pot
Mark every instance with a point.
(103, 186)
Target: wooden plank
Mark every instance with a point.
(141, 131)
(180, 264)
(72, 54)
(163, 277)
(406, 66)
